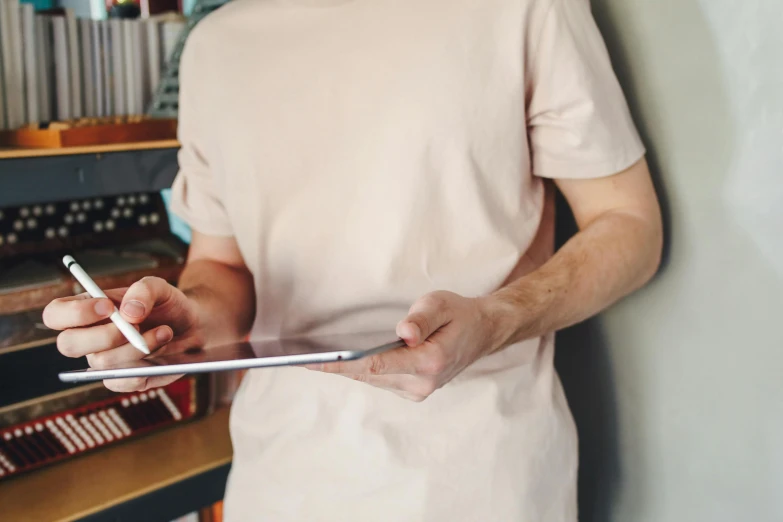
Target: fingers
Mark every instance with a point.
(76, 311)
(142, 297)
(126, 385)
(426, 316)
(77, 342)
(110, 358)
(399, 361)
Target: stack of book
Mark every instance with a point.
(56, 67)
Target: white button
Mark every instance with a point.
(62, 231)
(81, 217)
(143, 199)
(120, 201)
(98, 204)
(74, 206)
(50, 233)
(50, 210)
(131, 200)
(154, 218)
(98, 226)
(18, 225)
(115, 213)
(37, 210)
(68, 218)
(127, 212)
(2, 240)
(142, 220)
(86, 205)
(32, 223)
(24, 212)
(11, 238)
(109, 224)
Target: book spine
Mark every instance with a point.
(31, 80)
(45, 65)
(62, 69)
(88, 68)
(74, 62)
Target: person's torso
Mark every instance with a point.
(369, 152)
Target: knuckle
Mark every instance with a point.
(66, 344)
(436, 301)
(377, 366)
(434, 363)
(126, 385)
(97, 360)
(427, 387)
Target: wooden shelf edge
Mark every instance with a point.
(89, 484)
(145, 491)
(21, 153)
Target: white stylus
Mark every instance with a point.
(130, 333)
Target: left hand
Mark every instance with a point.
(444, 333)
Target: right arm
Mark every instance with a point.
(214, 304)
(219, 284)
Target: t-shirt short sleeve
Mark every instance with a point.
(196, 192)
(579, 125)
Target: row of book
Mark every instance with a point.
(56, 67)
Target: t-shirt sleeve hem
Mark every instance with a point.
(204, 226)
(559, 169)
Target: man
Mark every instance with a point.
(343, 160)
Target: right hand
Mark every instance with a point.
(163, 314)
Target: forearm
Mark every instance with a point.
(224, 299)
(609, 258)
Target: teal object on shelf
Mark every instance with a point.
(178, 227)
(40, 4)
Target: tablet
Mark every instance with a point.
(244, 355)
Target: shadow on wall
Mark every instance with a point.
(584, 352)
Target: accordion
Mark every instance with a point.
(118, 239)
(49, 429)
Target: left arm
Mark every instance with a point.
(616, 251)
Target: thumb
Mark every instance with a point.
(142, 296)
(426, 316)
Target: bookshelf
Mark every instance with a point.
(17, 153)
(157, 477)
(30, 176)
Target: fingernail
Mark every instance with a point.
(133, 309)
(164, 334)
(104, 308)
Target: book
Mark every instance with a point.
(154, 58)
(62, 70)
(87, 68)
(45, 65)
(13, 69)
(99, 71)
(108, 73)
(117, 46)
(31, 82)
(74, 62)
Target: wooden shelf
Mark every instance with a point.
(93, 483)
(29, 176)
(15, 153)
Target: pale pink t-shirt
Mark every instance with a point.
(364, 153)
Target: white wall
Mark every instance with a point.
(678, 391)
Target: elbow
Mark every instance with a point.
(653, 257)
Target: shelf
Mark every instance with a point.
(15, 153)
(30, 176)
(88, 486)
